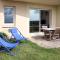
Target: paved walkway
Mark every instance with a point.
(47, 44)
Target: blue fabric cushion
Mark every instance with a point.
(7, 44)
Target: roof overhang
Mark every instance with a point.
(44, 2)
(47, 2)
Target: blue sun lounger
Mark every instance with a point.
(17, 34)
(7, 45)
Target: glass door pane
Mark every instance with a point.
(44, 18)
(34, 20)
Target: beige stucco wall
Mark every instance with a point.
(22, 16)
(58, 17)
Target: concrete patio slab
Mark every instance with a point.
(46, 44)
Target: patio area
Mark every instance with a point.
(55, 43)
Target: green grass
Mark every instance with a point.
(30, 51)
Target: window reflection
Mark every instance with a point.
(9, 14)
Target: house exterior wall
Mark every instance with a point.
(22, 16)
(58, 17)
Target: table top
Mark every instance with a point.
(48, 28)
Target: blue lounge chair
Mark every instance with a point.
(7, 46)
(17, 34)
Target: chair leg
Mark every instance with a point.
(9, 52)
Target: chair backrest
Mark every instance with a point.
(17, 34)
(57, 30)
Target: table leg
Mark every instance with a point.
(50, 35)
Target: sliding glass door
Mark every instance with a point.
(34, 20)
(38, 18)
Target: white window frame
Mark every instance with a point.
(14, 18)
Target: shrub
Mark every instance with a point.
(3, 35)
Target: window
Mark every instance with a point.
(9, 13)
(38, 18)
